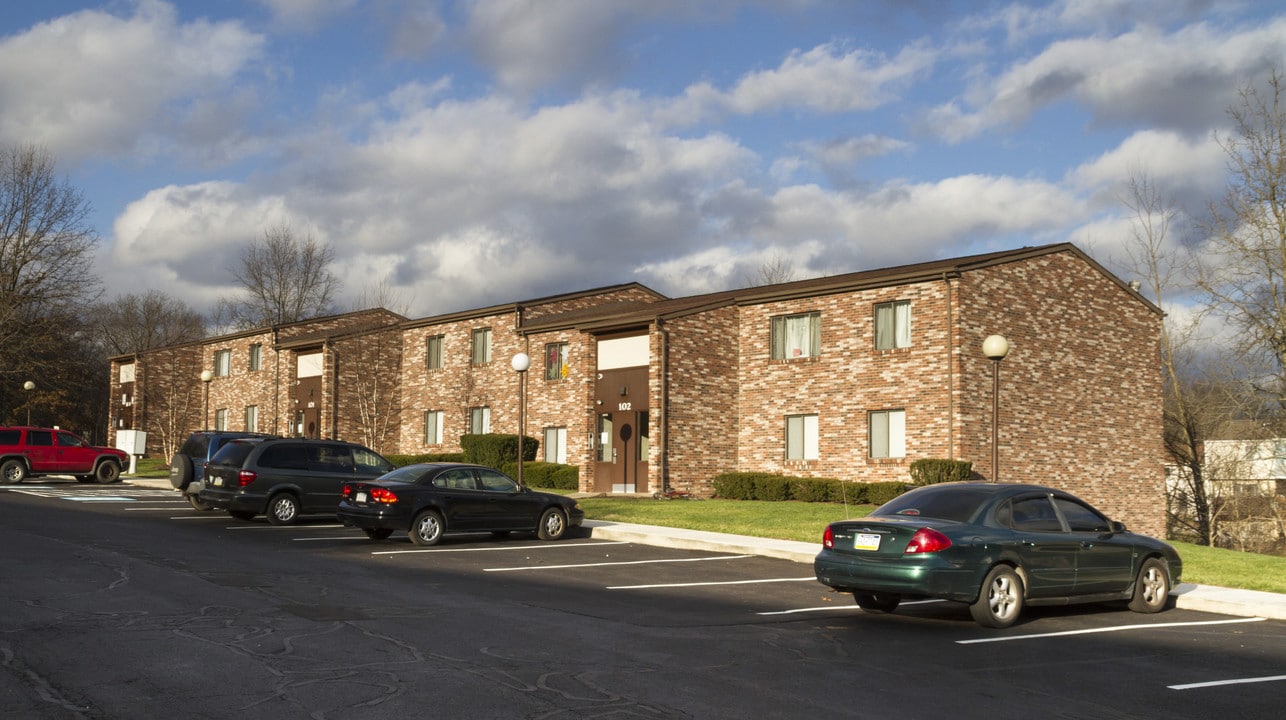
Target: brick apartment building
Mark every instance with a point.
(850, 376)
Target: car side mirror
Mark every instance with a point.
(1118, 527)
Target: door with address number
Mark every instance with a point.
(622, 431)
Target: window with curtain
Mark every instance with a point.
(482, 346)
(256, 357)
(801, 437)
(556, 361)
(433, 352)
(221, 419)
(556, 445)
(480, 420)
(888, 433)
(433, 427)
(222, 363)
(893, 325)
(252, 418)
(796, 336)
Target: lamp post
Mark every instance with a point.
(206, 377)
(520, 364)
(995, 347)
(29, 386)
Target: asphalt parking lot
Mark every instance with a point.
(687, 604)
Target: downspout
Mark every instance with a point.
(663, 426)
(276, 384)
(951, 379)
(334, 390)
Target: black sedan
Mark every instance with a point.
(432, 499)
(996, 547)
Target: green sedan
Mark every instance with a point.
(996, 547)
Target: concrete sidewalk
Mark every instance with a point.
(1205, 598)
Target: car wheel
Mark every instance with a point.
(877, 602)
(1000, 600)
(180, 471)
(1151, 588)
(242, 514)
(377, 533)
(13, 472)
(107, 472)
(552, 524)
(427, 528)
(283, 509)
(198, 504)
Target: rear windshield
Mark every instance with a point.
(234, 453)
(958, 504)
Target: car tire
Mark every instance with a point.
(198, 504)
(107, 472)
(12, 472)
(242, 514)
(377, 533)
(427, 528)
(283, 509)
(553, 524)
(877, 602)
(1000, 599)
(180, 471)
(1151, 587)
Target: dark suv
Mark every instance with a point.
(32, 451)
(187, 467)
(286, 478)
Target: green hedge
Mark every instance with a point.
(928, 471)
(770, 486)
(404, 460)
(545, 475)
(494, 449)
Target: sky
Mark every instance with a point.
(460, 154)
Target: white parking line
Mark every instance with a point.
(609, 564)
(846, 608)
(703, 584)
(498, 548)
(1237, 681)
(1091, 631)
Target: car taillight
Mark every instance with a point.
(927, 540)
(383, 495)
(828, 537)
(346, 492)
(246, 477)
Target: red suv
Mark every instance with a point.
(30, 451)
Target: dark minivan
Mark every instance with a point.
(286, 478)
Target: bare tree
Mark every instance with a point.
(46, 280)
(1245, 270)
(134, 323)
(285, 278)
(776, 269)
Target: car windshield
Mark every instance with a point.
(234, 453)
(958, 504)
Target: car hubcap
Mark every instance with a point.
(1152, 586)
(554, 524)
(285, 510)
(1003, 600)
(428, 528)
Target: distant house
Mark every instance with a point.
(849, 376)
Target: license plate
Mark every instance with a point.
(866, 541)
(360, 497)
(218, 482)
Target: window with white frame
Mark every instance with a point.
(556, 361)
(888, 433)
(480, 420)
(433, 352)
(801, 437)
(252, 418)
(222, 363)
(433, 427)
(256, 357)
(796, 336)
(221, 419)
(481, 346)
(893, 325)
(556, 445)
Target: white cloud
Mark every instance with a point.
(94, 84)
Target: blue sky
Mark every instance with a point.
(460, 154)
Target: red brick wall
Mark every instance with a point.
(702, 413)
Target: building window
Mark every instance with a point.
(888, 434)
(893, 325)
(801, 437)
(556, 361)
(480, 420)
(482, 346)
(556, 445)
(221, 419)
(252, 418)
(433, 352)
(222, 363)
(433, 427)
(256, 357)
(797, 336)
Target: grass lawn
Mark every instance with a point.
(805, 522)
